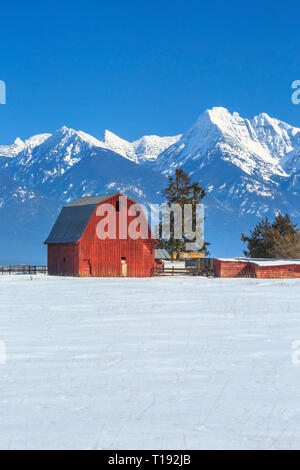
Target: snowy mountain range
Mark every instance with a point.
(250, 168)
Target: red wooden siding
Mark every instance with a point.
(230, 269)
(278, 272)
(105, 256)
(63, 259)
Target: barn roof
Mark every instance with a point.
(88, 200)
(73, 219)
(161, 253)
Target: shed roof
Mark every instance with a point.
(161, 253)
(262, 261)
(74, 218)
(275, 262)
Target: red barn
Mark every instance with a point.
(75, 249)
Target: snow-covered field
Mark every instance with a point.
(161, 363)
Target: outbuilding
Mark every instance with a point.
(257, 268)
(77, 248)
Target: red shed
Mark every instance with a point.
(232, 267)
(75, 249)
(257, 268)
(276, 269)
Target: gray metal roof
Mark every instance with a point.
(73, 219)
(87, 200)
(161, 253)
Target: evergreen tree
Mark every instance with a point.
(181, 190)
(277, 240)
(284, 226)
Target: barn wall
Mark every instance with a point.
(103, 257)
(63, 260)
(232, 269)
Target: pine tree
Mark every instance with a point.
(259, 241)
(284, 226)
(181, 190)
(277, 240)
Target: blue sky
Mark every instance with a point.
(138, 67)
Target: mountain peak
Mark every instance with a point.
(222, 116)
(218, 110)
(19, 145)
(145, 149)
(64, 133)
(113, 139)
(18, 141)
(253, 146)
(119, 145)
(264, 116)
(65, 130)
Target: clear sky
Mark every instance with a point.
(137, 67)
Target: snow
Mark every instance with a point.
(119, 145)
(277, 262)
(90, 139)
(249, 144)
(291, 162)
(11, 151)
(263, 262)
(160, 363)
(253, 164)
(145, 149)
(36, 140)
(148, 148)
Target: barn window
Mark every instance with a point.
(64, 260)
(117, 205)
(123, 258)
(147, 248)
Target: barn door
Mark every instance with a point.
(86, 268)
(123, 267)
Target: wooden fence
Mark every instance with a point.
(24, 269)
(173, 271)
(156, 271)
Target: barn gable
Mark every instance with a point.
(74, 218)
